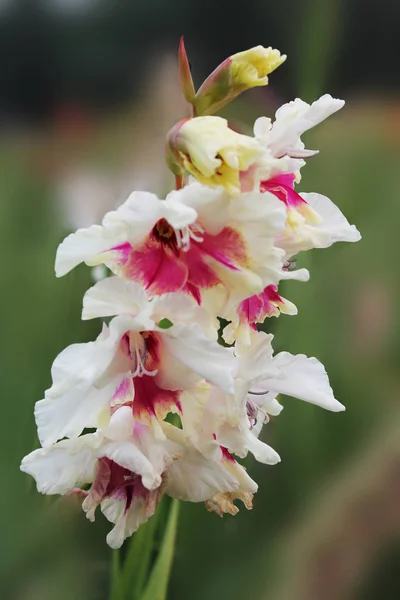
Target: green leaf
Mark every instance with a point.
(157, 586)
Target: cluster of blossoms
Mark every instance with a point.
(157, 404)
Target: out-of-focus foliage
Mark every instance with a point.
(330, 511)
(94, 53)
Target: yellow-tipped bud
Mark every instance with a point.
(252, 67)
(213, 153)
(235, 75)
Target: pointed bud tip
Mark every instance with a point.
(185, 73)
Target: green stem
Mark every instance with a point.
(116, 588)
(136, 578)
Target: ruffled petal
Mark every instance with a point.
(303, 378)
(130, 222)
(85, 377)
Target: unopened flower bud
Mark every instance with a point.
(236, 74)
(213, 153)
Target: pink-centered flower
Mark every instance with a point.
(119, 467)
(124, 469)
(197, 239)
(133, 362)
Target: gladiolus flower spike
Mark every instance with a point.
(216, 246)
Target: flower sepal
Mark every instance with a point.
(185, 74)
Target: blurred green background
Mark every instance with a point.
(87, 91)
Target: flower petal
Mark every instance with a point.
(189, 345)
(211, 205)
(85, 377)
(295, 118)
(130, 222)
(59, 468)
(334, 224)
(115, 296)
(303, 378)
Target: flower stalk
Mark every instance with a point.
(143, 573)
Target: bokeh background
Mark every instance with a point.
(88, 89)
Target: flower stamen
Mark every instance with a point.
(253, 409)
(138, 351)
(184, 235)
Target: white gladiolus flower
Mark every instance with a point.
(128, 470)
(197, 239)
(265, 376)
(237, 420)
(124, 464)
(132, 361)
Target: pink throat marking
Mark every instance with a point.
(140, 389)
(152, 401)
(167, 261)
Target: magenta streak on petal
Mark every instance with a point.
(256, 308)
(250, 310)
(122, 251)
(193, 291)
(227, 455)
(227, 247)
(271, 298)
(282, 186)
(200, 274)
(169, 273)
(122, 391)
